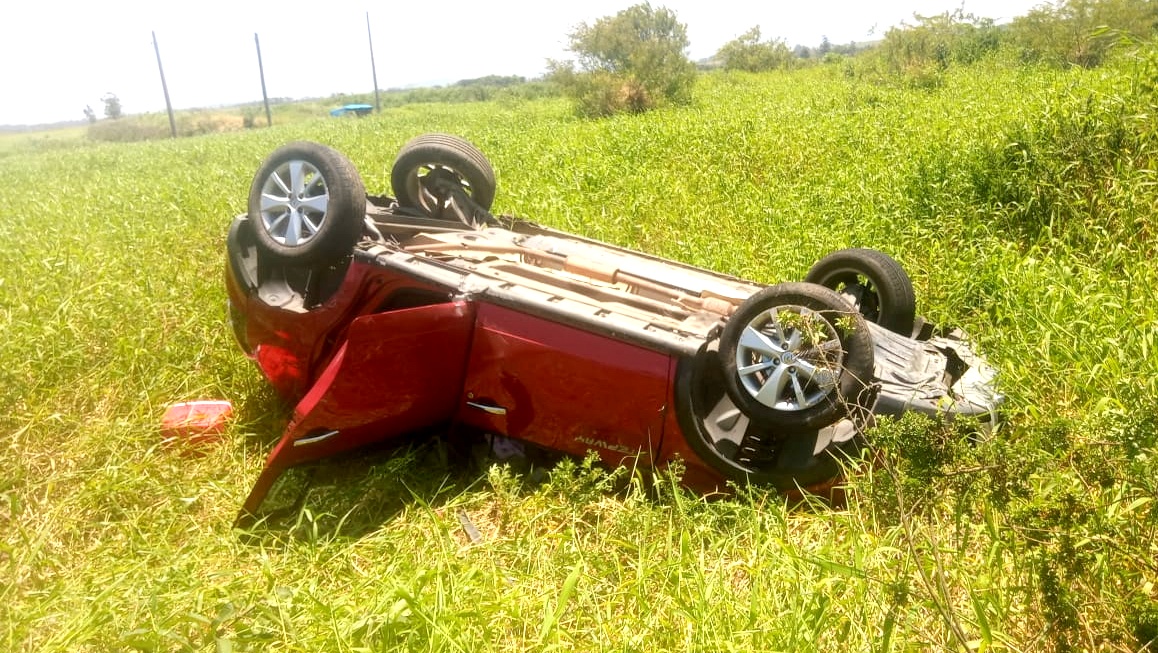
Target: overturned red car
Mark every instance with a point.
(385, 318)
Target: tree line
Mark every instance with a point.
(636, 60)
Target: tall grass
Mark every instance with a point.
(1021, 200)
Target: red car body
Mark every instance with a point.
(362, 374)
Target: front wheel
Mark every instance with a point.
(745, 450)
(428, 164)
(797, 358)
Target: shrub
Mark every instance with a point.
(938, 41)
(1081, 32)
(917, 56)
(127, 130)
(155, 126)
(633, 61)
(747, 53)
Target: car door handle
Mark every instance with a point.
(487, 408)
(318, 437)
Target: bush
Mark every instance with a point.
(918, 56)
(938, 41)
(1081, 32)
(155, 126)
(748, 53)
(632, 62)
(127, 130)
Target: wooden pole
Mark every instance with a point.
(373, 69)
(165, 88)
(261, 71)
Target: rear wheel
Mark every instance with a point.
(306, 204)
(873, 282)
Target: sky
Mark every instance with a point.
(61, 56)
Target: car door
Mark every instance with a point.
(397, 373)
(564, 387)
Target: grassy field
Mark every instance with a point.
(1022, 201)
(13, 143)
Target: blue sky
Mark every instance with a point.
(61, 56)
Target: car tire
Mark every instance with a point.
(873, 282)
(432, 158)
(307, 204)
(745, 451)
(797, 358)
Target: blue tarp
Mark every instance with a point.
(356, 109)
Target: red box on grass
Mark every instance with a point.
(194, 423)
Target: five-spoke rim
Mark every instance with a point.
(425, 178)
(789, 357)
(294, 199)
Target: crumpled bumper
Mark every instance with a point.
(942, 375)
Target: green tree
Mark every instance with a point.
(112, 106)
(633, 61)
(748, 53)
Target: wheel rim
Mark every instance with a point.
(788, 358)
(425, 178)
(294, 200)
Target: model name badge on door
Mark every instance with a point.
(603, 444)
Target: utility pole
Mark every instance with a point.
(373, 69)
(261, 71)
(165, 88)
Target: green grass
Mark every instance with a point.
(112, 307)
